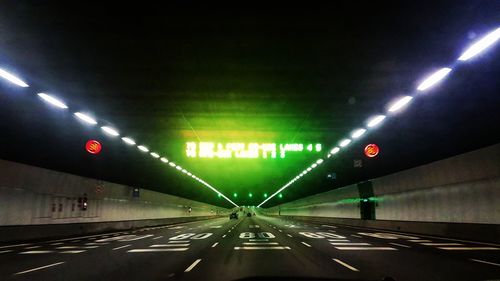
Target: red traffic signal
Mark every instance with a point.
(371, 150)
(93, 147)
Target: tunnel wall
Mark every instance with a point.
(457, 197)
(36, 202)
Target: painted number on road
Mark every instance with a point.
(250, 235)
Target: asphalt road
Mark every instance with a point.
(223, 249)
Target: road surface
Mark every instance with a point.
(258, 246)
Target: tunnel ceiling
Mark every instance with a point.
(169, 75)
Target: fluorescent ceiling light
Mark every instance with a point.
(155, 155)
(314, 165)
(172, 164)
(13, 79)
(319, 161)
(128, 141)
(164, 160)
(309, 169)
(85, 118)
(110, 131)
(334, 150)
(374, 121)
(178, 167)
(397, 105)
(358, 133)
(480, 45)
(434, 78)
(143, 148)
(52, 100)
(345, 142)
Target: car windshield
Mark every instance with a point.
(345, 140)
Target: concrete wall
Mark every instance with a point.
(35, 196)
(463, 189)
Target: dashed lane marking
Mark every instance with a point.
(306, 244)
(6, 251)
(73, 252)
(486, 262)
(179, 241)
(348, 243)
(468, 248)
(157, 250)
(331, 226)
(223, 236)
(262, 248)
(96, 244)
(419, 241)
(192, 265)
(35, 252)
(215, 244)
(442, 244)
(137, 238)
(38, 268)
(258, 240)
(157, 237)
(58, 243)
(32, 247)
(168, 245)
(345, 265)
(121, 247)
(400, 245)
(76, 247)
(216, 226)
(289, 235)
(338, 240)
(357, 236)
(12, 246)
(260, 243)
(366, 248)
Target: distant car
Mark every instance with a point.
(233, 216)
(249, 214)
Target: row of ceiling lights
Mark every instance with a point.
(398, 104)
(86, 118)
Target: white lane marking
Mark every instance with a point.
(169, 245)
(192, 265)
(338, 240)
(73, 252)
(348, 243)
(216, 226)
(58, 243)
(12, 246)
(260, 243)
(486, 262)
(280, 230)
(365, 248)
(36, 252)
(442, 244)
(258, 240)
(179, 241)
(96, 244)
(157, 250)
(223, 236)
(262, 248)
(121, 247)
(400, 245)
(289, 235)
(38, 268)
(419, 240)
(32, 247)
(176, 227)
(157, 237)
(306, 244)
(345, 264)
(137, 238)
(76, 247)
(6, 251)
(324, 225)
(215, 244)
(178, 231)
(357, 236)
(115, 238)
(468, 248)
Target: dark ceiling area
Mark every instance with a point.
(174, 74)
